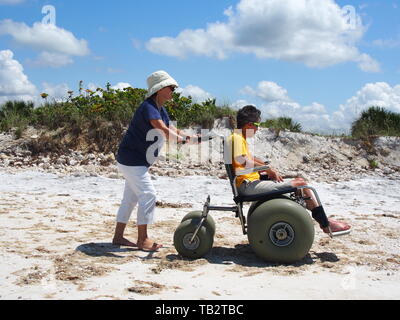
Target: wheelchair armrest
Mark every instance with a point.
(252, 170)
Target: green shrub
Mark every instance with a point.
(186, 113)
(376, 121)
(97, 119)
(282, 123)
(15, 114)
(373, 164)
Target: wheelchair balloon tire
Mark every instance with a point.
(280, 230)
(202, 243)
(209, 223)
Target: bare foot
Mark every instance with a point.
(124, 242)
(149, 245)
(337, 226)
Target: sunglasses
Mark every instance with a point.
(172, 88)
(257, 124)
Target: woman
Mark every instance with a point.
(134, 160)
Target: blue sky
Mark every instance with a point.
(290, 58)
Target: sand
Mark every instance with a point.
(56, 230)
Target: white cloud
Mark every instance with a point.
(121, 86)
(56, 45)
(268, 91)
(54, 60)
(379, 94)
(93, 86)
(14, 84)
(315, 117)
(45, 37)
(58, 92)
(212, 42)
(367, 64)
(198, 94)
(313, 32)
(239, 104)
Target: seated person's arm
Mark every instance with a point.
(246, 161)
(254, 162)
(259, 162)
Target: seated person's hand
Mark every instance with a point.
(264, 176)
(274, 175)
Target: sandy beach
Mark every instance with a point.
(56, 230)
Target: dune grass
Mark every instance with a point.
(103, 115)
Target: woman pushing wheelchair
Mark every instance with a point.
(136, 156)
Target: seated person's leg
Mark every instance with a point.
(319, 215)
(259, 187)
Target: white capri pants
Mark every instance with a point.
(139, 190)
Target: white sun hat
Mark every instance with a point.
(159, 80)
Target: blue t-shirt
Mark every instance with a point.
(134, 147)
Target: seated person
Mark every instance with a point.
(248, 119)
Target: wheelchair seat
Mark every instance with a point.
(238, 198)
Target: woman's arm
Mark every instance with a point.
(194, 139)
(170, 134)
(176, 130)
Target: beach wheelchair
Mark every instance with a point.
(278, 226)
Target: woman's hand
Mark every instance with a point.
(189, 139)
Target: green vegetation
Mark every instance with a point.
(373, 164)
(282, 123)
(116, 106)
(187, 113)
(99, 117)
(15, 114)
(376, 121)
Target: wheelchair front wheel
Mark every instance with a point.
(209, 223)
(201, 244)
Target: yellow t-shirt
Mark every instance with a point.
(240, 148)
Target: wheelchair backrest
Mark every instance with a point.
(228, 160)
(230, 172)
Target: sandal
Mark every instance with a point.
(154, 248)
(337, 228)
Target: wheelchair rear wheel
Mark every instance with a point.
(280, 230)
(201, 244)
